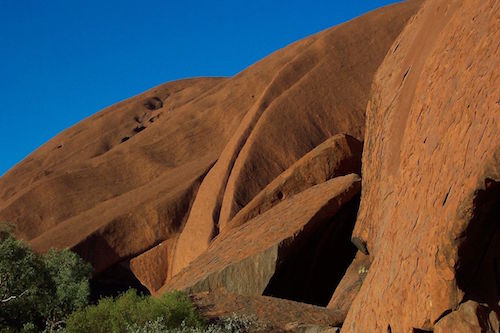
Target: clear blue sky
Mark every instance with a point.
(63, 60)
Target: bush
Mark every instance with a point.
(232, 324)
(25, 285)
(133, 311)
(38, 291)
(70, 275)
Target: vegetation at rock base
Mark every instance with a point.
(232, 324)
(50, 292)
(131, 309)
(39, 291)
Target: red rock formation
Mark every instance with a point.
(319, 92)
(338, 156)
(247, 259)
(160, 259)
(431, 167)
(349, 286)
(469, 317)
(273, 314)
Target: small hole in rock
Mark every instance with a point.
(396, 48)
(139, 128)
(406, 73)
(153, 103)
(280, 195)
(125, 139)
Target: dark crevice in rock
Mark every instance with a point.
(153, 103)
(360, 245)
(315, 266)
(125, 139)
(406, 74)
(442, 315)
(396, 48)
(280, 195)
(139, 128)
(478, 264)
(446, 197)
(419, 330)
(114, 281)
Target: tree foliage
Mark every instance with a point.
(39, 290)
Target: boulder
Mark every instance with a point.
(469, 317)
(272, 314)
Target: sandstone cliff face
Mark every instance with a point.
(430, 205)
(250, 184)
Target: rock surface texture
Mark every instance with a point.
(247, 189)
(261, 256)
(431, 165)
(276, 315)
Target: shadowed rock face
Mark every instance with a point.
(351, 283)
(317, 264)
(250, 259)
(469, 317)
(277, 315)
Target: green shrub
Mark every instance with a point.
(38, 292)
(70, 275)
(25, 285)
(137, 311)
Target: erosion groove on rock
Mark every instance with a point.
(245, 259)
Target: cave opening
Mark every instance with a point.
(114, 281)
(312, 272)
(478, 264)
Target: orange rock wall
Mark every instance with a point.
(431, 143)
